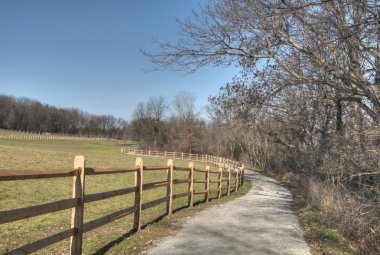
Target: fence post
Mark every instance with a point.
(236, 179)
(169, 189)
(229, 181)
(207, 184)
(220, 178)
(191, 185)
(138, 194)
(242, 174)
(165, 154)
(77, 212)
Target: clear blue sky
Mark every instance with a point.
(85, 54)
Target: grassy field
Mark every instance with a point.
(41, 154)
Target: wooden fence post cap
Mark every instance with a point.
(78, 161)
(170, 162)
(207, 168)
(138, 161)
(191, 164)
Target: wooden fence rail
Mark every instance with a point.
(25, 135)
(219, 161)
(79, 198)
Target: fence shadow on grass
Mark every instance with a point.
(113, 243)
(230, 178)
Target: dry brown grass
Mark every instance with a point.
(357, 219)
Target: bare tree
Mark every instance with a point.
(295, 41)
(139, 122)
(307, 92)
(156, 107)
(187, 128)
(184, 105)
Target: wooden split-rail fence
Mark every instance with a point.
(231, 175)
(218, 161)
(50, 137)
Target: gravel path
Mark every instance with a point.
(260, 222)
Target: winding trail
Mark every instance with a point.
(260, 222)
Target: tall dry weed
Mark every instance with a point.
(358, 220)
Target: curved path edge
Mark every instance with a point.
(260, 222)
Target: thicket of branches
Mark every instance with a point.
(306, 100)
(157, 124)
(28, 115)
(177, 126)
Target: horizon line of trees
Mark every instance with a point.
(183, 129)
(24, 114)
(156, 123)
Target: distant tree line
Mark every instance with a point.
(157, 123)
(154, 126)
(28, 115)
(178, 126)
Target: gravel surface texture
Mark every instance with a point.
(260, 222)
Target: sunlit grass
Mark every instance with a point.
(56, 154)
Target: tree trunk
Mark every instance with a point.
(339, 117)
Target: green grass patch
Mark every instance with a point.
(331, 241)
(55, 154)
